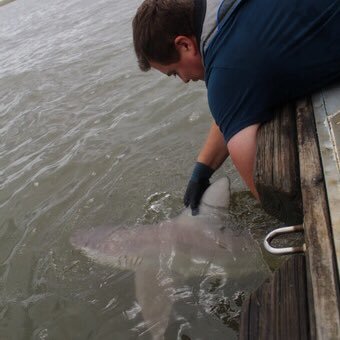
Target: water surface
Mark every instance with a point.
(87, 139)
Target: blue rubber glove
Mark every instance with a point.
(199, 182)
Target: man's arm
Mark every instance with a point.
(242, 148)
(212, 155)
(215, 150)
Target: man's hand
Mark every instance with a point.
(199, 182)
(194, 193)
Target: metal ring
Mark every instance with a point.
(287, 250)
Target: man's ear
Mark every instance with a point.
(185, 43)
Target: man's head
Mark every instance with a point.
(164, 38)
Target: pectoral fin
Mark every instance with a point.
(153, 297)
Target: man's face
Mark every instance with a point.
(189, 67)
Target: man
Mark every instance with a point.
(253, 55)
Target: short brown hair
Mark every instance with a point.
(156, 25)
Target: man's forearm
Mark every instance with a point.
(212, 155)
(214, 151)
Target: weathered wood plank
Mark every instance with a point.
(276, 172)
(322, 271)
(278, 309)
(326, 105)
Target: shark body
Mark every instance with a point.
(165, 256)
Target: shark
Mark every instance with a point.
(166, 256)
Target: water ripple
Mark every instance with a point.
(85, 139)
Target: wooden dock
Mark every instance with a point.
(298, 178)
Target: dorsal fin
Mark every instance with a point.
(218, 194)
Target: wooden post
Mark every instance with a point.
(277, 168)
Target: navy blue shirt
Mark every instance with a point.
(269, 52)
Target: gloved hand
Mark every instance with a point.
(197, 185)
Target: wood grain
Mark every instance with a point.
(278, 309)
(322, 271)
(276, 173)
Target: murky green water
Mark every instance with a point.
(87, 139)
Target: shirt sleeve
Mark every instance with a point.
(237, 99)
